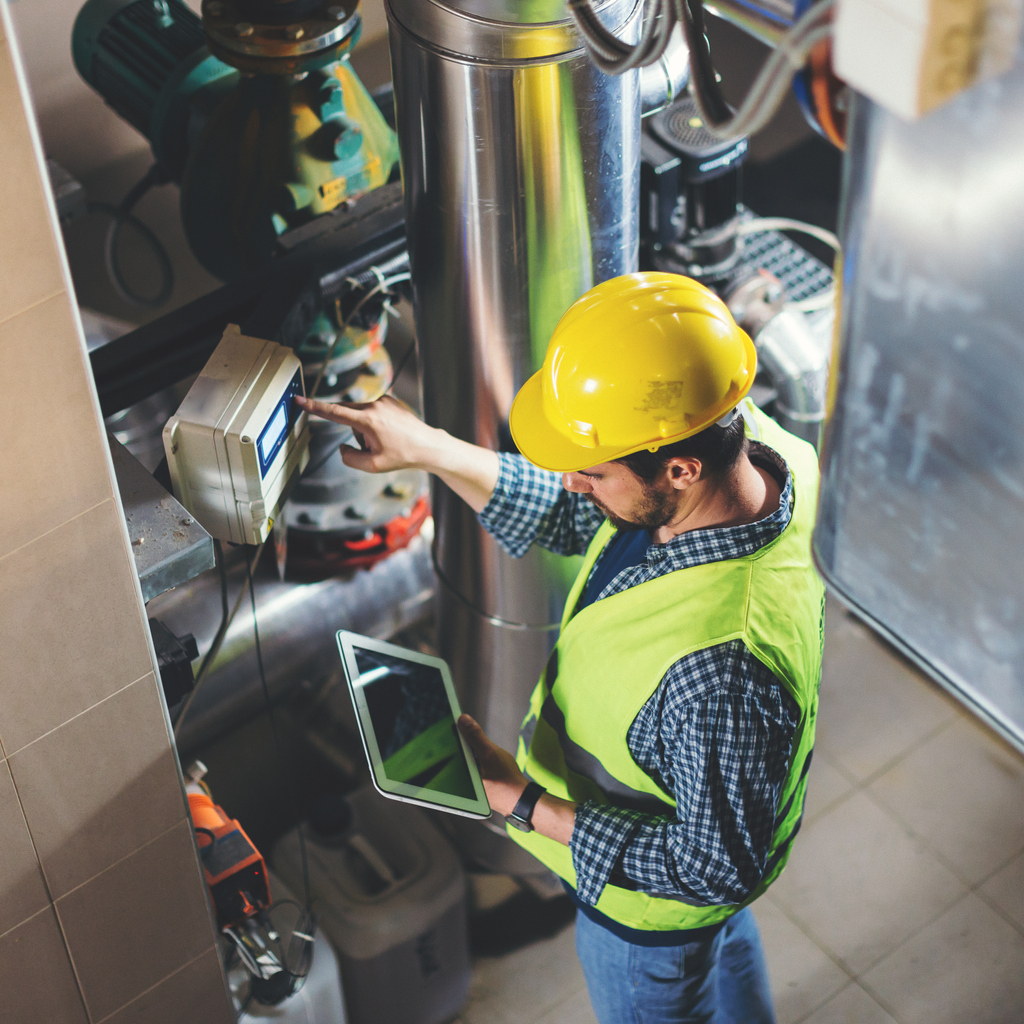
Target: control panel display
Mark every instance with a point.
(274, 433)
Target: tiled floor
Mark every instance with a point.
(904, 898)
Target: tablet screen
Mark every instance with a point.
(413, 724)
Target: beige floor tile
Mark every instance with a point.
(524, 985)
(963, 793)
(802, 976)
(1006, 890)
(860, 885)
(852, 1006)
(965, 968)
(825, 785)
(575, 1010)
(874, 704)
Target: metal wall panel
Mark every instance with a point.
(921, 517)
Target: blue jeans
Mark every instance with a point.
(721, 980)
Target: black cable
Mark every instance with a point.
(273, 730)
(401, 366)
(222, 628)
(122, 214)
(702, 72)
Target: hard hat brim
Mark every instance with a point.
(549, 448)
(545, 446)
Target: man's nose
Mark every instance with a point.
(577, 483)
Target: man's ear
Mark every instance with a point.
(683, 471)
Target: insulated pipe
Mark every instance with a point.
(297, 623)
(520, 161)
(765, 20)
(664, 81)
(797, 365)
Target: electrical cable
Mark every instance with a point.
(224, 620)
(756, 225)
(383, 283)
(277, 741)
(121, 214)
(773, 80)
(215, 646)
(613, 55)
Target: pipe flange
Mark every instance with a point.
(326, 32)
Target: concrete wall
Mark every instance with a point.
(103, 910)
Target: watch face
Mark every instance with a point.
(523, 826)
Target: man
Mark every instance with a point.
(662, 766)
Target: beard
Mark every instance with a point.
(652, 510)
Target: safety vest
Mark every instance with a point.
(611, 657)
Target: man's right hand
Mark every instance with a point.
(392, 437)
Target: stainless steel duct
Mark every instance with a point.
(521, 169)
(664, 81)
(797, 364)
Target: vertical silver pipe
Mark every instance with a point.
(521, 169)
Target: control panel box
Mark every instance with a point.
(239, 441)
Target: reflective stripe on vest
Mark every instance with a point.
(611, 657)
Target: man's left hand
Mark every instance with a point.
(503, 781)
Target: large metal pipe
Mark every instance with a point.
(521, 169)
(297, 623)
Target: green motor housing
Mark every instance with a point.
(149, 60)
(256, 152)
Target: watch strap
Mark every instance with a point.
(523, 811)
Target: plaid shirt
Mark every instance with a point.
(716, 733)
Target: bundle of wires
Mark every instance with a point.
(660, 17)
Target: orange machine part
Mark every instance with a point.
(234, 869)
(825, 90)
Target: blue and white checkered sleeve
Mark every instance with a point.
(530, 506)
(726, 728)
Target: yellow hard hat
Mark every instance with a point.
(638, 362)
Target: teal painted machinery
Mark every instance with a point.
(254, 110)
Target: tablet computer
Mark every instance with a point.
(407, 709)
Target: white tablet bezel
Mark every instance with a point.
(478, 808)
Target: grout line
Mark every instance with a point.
(889, 1009)
(46, 533)
(120, 860)
(992, 905)
(31, 917)
(799, 925)
(110, 696)
(916, 836)
(828, 999)
(913, 935)
(49, 895)
(905, 753)
(177, 970)
(33, 305)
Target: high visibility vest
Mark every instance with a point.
(611, 657)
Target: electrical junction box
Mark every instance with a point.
(238, 442)
(910, 56)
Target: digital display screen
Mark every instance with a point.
(413, 724)
(274, 434)
(275, 428)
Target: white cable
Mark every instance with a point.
(770, 86)
(756, 225)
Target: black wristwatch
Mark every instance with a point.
(523, 811)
